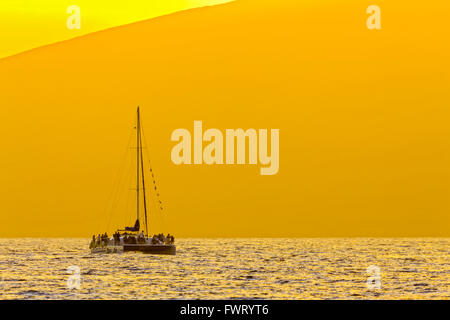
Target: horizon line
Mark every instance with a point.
(265, 237)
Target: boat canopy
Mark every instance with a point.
(136, 227)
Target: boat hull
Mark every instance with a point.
(145, 248)
(107, 249)
(153, 249)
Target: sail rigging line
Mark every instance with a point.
(130, 198)
(151, 170)
(143, 188)
(121, 192)
(137, 163)
(158, 199)
(115, 189)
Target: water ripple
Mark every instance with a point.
(229, 269)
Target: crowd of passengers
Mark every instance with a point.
(103, 239)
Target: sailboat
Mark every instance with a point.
(133, 238)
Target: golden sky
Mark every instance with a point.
(27, 24)
(363, 118)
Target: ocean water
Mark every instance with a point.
(229, 269)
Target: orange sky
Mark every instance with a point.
(363, 118)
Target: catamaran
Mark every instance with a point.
(133, 238)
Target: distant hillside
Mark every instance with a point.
(363, 118)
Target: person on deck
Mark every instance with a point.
(92, 244)
(118, 237)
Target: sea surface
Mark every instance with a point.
(229, 269)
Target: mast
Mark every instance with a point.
(143, 189)
(138, 133)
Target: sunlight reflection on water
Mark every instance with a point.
(229, 269)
